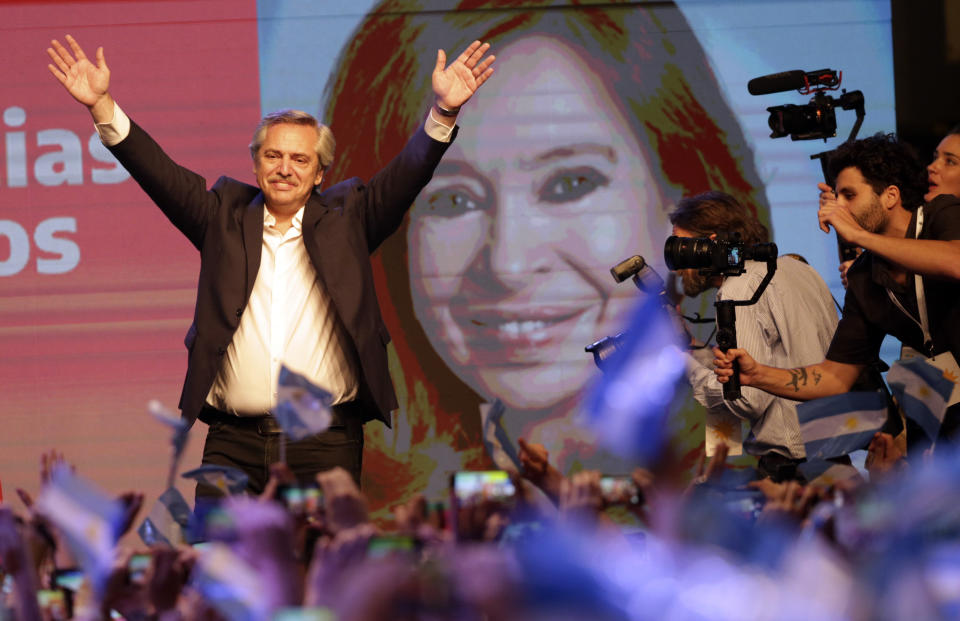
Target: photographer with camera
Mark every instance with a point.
(791, 324)
(905, 284)
(942, 177)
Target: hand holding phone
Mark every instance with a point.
(380, 546)
(137, 566)
(619, 490)
(471, 486)
(301, 500)
(53, 604)
(475, 497)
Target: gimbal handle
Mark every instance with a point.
(727, 326)
(726, 340)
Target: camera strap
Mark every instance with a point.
(923, 322)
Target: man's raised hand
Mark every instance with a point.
(455, 83)
(832, 213)
(88, 83)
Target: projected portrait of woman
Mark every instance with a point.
(596, 121)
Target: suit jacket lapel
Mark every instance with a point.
(312, 215)
(314, 212)
(252, 240)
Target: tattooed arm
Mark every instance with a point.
(803, 383)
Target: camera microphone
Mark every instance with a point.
(793, 80)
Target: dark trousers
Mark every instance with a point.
(779, 468)
(253, 444)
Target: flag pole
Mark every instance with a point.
(172, 473)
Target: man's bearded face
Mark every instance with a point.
(694, 283)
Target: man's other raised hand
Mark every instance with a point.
(86, 82)
(455, 83)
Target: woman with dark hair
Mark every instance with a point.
(943, 173)
(598, 121)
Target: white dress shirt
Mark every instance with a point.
(288, 320)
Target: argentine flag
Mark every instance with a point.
(303, 409)
(167, 520)
(922, 391)
(179, 427)
(89, 520)
(230, 585)
(841, 424)
(228, 480)
(827, 473)
(629, 405)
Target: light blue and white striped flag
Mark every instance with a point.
(167, 520)
(630, 403)
(226, 479)
(922, 391)
(827, 473)
(303, 409)
(88, 519)
(841, 424)
(230, 584)
(179, 427)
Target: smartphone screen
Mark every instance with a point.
(53, 604)
(304, 614)
(292, 497)
(386, 545)
(619, 490)
(69, 579)
(138, 566)
(476, 485)
(301, 500)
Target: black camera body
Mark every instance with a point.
(813, 120)
(723, 256)
(810, 121)
(817, 119)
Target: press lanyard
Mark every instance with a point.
(921, 298)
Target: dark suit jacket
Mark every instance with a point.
(341, 227)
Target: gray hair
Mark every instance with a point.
(325, 146)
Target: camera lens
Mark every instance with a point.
(688, 252)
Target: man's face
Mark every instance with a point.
(287, 166)
(854, 193)
(694, 283)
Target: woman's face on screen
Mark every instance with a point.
(511, 243)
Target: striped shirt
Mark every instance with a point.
(790, 326)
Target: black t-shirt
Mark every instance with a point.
(869, 314)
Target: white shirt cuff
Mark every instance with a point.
(116, 129)
(437, 130)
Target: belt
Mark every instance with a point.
(264, 424)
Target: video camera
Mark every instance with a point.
(723, 256)
(816, 119)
